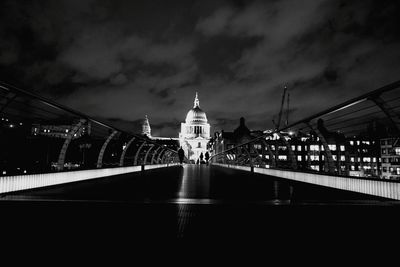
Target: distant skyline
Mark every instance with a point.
(122, 60)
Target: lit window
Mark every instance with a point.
(298, 148)
(351, 143)
(293, 148)
(342, 148)
(334, 157)
(282, 157)
(366, 159)
(332, 147)
(315, 167)
(298, 158)
(352, 159)
(314, 157)
(342, 158)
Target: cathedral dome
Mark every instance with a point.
(196, 114)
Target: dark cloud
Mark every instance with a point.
(125, 59)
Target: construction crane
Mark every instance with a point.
(287, 111)
(277, 124)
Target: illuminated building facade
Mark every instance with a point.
(390, 154)
(195, 132)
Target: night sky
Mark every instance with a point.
(120, 60)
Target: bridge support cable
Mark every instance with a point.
(153, 157)
(8, 101)
(147, 154)
(328, 153)
(292, 156)
(70, 135)
(159, 155)
(122, 159)
(245, 155)
(135, 162)
(392, 116)
(103, 149)
(271, 155)
(165, 156)
(256, 158)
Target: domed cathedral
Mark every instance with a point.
(195, 132)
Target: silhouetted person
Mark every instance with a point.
(181, 155)
(207, 157)
(201, 157)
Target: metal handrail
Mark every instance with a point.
(58, 106)
(353, 101)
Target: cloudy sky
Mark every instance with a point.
(120, 60)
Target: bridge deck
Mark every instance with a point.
(191, 201)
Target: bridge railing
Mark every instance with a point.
(38, 135)
(357, 138)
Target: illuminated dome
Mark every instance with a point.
(196, 114)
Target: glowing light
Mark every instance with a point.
(20, 182)
(11, 125)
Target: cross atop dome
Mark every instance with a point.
(196, 101)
